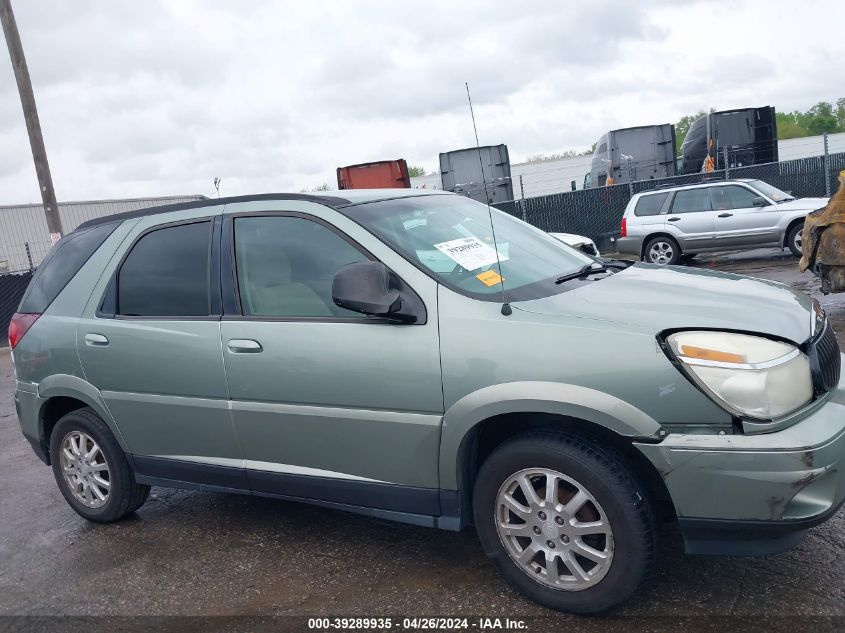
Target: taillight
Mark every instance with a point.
(19, 325)
(623, 228)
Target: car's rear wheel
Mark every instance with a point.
(662, 250)
(565, 521)
(91, 469)
(794, 239)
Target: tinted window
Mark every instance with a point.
(602, 148)
(166, 273)
(650, 205)
(62, 262)
(286, 266)
(692, 200)
(732, 197)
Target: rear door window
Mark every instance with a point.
(651, 204)
(63, 261)
(166, 273)
(692, 201)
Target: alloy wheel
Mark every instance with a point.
(797, 240)
(554, 529)
(85, 469)
(661, 253)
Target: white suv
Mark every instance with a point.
(663, 225)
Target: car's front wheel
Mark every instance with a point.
(565, 521)
(91, 469)
(662, 250)
(794, 237)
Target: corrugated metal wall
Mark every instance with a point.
(24, 224)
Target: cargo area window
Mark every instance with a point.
(166, 273)
(286, 266)
(651, 204)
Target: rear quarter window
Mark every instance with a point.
(651, 204)
(62, 263)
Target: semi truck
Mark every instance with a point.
(730, 138)
(487, 179)
(634, 153)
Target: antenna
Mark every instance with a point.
(506, 307)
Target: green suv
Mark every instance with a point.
(386, 352)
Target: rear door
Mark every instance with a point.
(738, 222)
(691, 219)
(150, 341)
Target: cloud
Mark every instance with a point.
(158, 98)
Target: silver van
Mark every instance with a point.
(387, 352)
(665, 225)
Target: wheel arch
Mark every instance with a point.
(486, 436)
(61, 394)
(480, 421)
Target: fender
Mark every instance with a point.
(535, 397)
(75, 387)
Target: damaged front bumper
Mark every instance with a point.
(756, 494)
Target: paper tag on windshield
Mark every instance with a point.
(469, 253)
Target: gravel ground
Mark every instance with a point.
(198, 553)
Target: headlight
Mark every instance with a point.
(750, 376)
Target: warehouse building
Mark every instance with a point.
(25, 240)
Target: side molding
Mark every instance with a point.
(535, 397)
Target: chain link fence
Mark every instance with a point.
(597, 212)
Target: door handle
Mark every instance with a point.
(244, 346)
(674, 219)
(97, 340)
(725, 215)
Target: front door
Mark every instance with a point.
(150, 342)
(328, 404)
(738, 221)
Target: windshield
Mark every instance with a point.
(772, 192)
(449, 237)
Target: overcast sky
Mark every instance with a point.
(157, 98)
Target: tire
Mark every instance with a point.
(76, 435)
(662, 251)
(793, 238)
(615, 498)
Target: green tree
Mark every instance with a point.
(415, 171)
(822, 119)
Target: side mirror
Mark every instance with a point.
(370, 288)
(759, 202)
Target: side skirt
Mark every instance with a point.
(404, 504)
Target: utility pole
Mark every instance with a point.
(33, 126)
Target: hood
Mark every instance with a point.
(662, 298)
(803, 203)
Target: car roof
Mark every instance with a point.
(335, 200)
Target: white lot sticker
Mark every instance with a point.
(469, 253)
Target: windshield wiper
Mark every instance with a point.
(587, 269)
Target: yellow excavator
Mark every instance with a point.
(823, 242)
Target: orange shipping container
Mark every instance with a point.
(386, 174)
